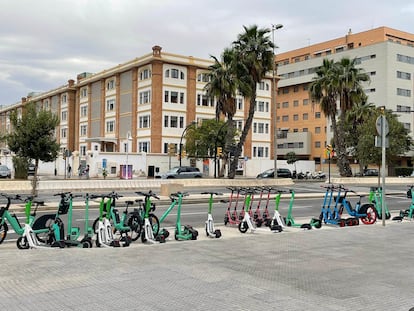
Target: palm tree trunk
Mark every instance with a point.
(246, 129)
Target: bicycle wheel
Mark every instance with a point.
(155, 223)
(3, 232)
(134, 222)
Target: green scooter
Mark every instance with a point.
(290, 221)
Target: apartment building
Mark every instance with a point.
(129, 114)
(386, 55)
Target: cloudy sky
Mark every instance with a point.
(44, 43)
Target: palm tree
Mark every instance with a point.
(338, 81)
(253, 52)
(222, 86)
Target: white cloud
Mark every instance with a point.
(47, 42)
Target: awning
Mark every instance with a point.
(102, 140)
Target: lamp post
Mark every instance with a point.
(274, 27)
(181, 139)
(127, 150)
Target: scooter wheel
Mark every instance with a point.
(306, 226)
(243, 227)
(86, 243)
(22, 243)
(259, 222)
(217, 233)
(341, 223)
(317, 223)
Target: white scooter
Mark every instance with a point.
(211, 231)
(246, 223)
(277, 223)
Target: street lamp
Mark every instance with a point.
(127, 150)
(274, 27)
(181, 139)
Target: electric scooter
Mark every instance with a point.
(246, 223)
(276, 223)
(103, 228)
(290, 221)
(14, 221)
(147, 234)
(29, 238)
(231, 217)
(408, 213)
(210, 229)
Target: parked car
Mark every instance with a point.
(181, 172)
(5, 172)
(281, 173)
(371, 172)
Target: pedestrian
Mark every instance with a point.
(80, 170)
(87, 171)
(69, 170)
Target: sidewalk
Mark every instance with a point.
(332, 269)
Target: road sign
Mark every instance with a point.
(382, 121)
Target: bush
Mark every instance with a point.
(20, 165)
(403, 171)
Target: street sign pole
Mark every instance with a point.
(383, 134)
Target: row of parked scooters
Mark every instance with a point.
(336, 208)
(110, 229)
(247, 208)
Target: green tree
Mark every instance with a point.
(254, 58)
(338, 81)
(291, 158)
(33, 136)
(364, 148)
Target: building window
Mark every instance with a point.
(144, 146)
(144, 121)
(64, 115)
(83, 130)
(145, 74)
(84, 92)
(203, 100)
(174, 97)
(317, 129)
(174, 73)
(317, 144)
(295, 103)
(239, 103)
(174, 121)
(110, 85)
(305, 116)
(82, 150)
(110, 126)
(64, 98)
(305, 102)
(403, 92)
(64, 133)
(401, 108)
(317, 115)
(203, 77)
(404, 75)
(84, 111)
(263, 86)
(144, 97)
(285, 118)
(295, 117)
(285, 105)
(110, 104)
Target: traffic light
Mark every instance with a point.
(219, 151)
(172, 149)
(183, 154)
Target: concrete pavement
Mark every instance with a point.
(338, 269)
